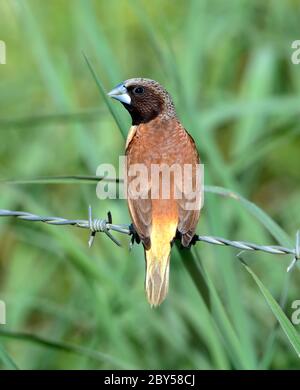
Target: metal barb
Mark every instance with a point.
(105, 226)
(297, 252)
(106, 229)
(93, 232)
(100, 225)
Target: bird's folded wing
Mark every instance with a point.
(189, 203)
(141, 215)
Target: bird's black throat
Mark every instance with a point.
(139, 116)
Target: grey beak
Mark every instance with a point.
(120, 93)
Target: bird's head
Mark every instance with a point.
(145, 99)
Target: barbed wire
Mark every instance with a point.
(97, 225)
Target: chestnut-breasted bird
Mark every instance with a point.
(157, 138)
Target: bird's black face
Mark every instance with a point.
(146, 103)
(144, 99)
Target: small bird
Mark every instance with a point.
(157, 138)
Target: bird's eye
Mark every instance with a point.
(138, 90)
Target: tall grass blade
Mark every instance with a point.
(7, 360)
(287, 327)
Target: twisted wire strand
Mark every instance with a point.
(96, 225)
(248, 246)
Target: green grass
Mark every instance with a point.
(228, 68)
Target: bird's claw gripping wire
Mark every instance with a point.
(178, 237)
(134, 237)
(297, 252)
(100, 225)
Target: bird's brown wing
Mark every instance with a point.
(140, 212)
(188, 218)
(183, 151)
(140, 209)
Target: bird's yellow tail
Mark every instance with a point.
(157, 275)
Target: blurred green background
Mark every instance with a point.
(228, 66)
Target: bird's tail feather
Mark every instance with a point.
(157, 275)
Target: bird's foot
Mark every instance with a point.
(178, 237)
(135, 238)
